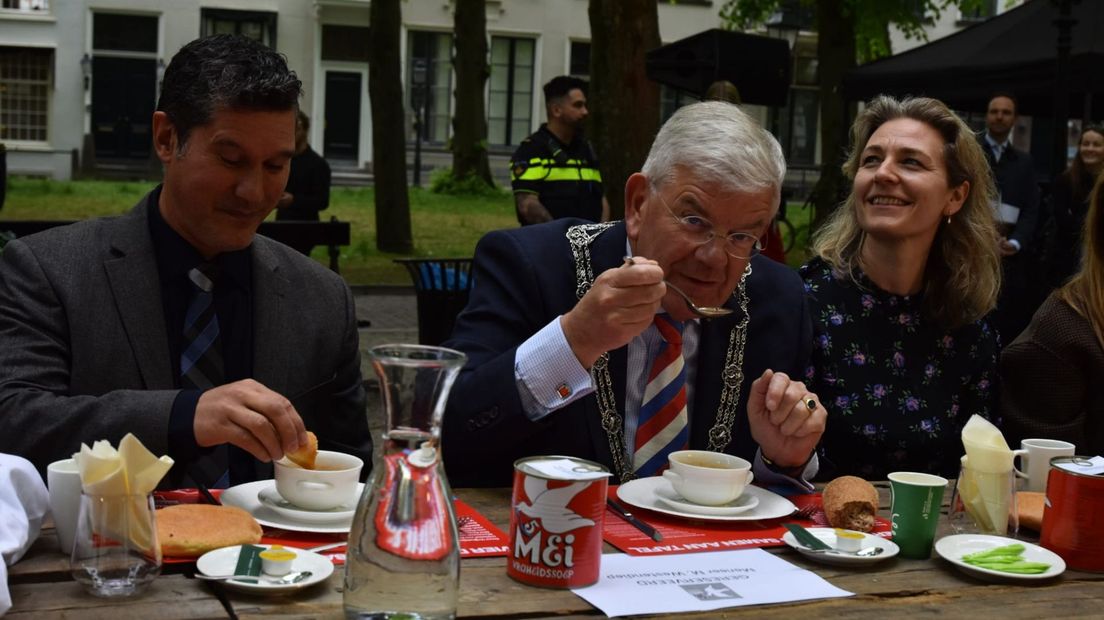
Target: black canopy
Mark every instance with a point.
(1015, 51)
(759, 66)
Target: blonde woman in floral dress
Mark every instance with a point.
(905, 273)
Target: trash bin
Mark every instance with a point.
(441, 286)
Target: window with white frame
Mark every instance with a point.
(37, 6)
(25, 76)
(510, 106)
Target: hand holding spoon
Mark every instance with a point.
(705, 312)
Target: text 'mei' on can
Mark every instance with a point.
(556, 523)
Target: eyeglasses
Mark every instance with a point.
(701, 231)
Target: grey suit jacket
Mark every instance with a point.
(84, 352)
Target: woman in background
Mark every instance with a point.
(906, 271)
(1070, 199)
(1051, 373)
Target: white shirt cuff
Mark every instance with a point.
(547, 373)
(1015, 243)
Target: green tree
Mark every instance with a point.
(393, 229)
(847, 31)
(623, 101)
(469, 125)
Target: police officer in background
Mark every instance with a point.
(554, 170)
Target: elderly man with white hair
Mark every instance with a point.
(579, 345)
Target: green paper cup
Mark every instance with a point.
(915, 508)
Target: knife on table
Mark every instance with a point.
(806, 538)
(637, 523)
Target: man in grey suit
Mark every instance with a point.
(175, 321)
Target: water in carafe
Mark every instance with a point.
(403, 559)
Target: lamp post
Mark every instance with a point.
(1064, 22)
(86, 70)
(418, 102)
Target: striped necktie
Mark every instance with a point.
(201, 365)
(200, 352)
(662, 426)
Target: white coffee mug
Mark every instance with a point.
(332, 483)
(63, 481)
(708, 478)
(1035, 455)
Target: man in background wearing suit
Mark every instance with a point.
(575, 349)
(175, 321)
(1014, 174)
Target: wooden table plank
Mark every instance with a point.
(894, 588)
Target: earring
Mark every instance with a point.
(948, 220)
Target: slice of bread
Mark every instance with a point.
(190, 530)
(1029, 507)
(850, 503)
(304, 457)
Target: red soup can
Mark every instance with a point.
(556, 521)
(1074, 500)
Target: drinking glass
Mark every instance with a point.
(983, 502)
(115, 548)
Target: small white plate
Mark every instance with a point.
(645, 493)
(244, 496)
(952, 548)
(223, 562)
(828, 536)
(744, 503)
(272, 499)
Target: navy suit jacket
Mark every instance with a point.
(1015, 178)
(523, 279)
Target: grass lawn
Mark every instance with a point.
(444, 226)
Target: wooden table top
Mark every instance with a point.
(41, 587)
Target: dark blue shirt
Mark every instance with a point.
(234, 307)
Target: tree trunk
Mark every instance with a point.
(469, 125)
(393, 232)
(623, 102)
(836, 51)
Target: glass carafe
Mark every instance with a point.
(403, 559)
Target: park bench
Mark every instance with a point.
(331, 234)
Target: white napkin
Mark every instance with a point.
(24, 503)
(985, 489)
(131, 470)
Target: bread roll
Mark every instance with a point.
(190, 530)
(1029, 506)
(304, 457)
(850, 503)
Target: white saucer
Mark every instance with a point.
(244, 496)
(272, 499)
(952, 548)
(645, 493)
(669, 496)
(828, 535)
(223, 562)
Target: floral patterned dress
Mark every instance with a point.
(897, 387)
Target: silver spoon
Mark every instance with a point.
(705, 312)
(868, 552)
(286, 580)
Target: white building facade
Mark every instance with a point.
(79, 78)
